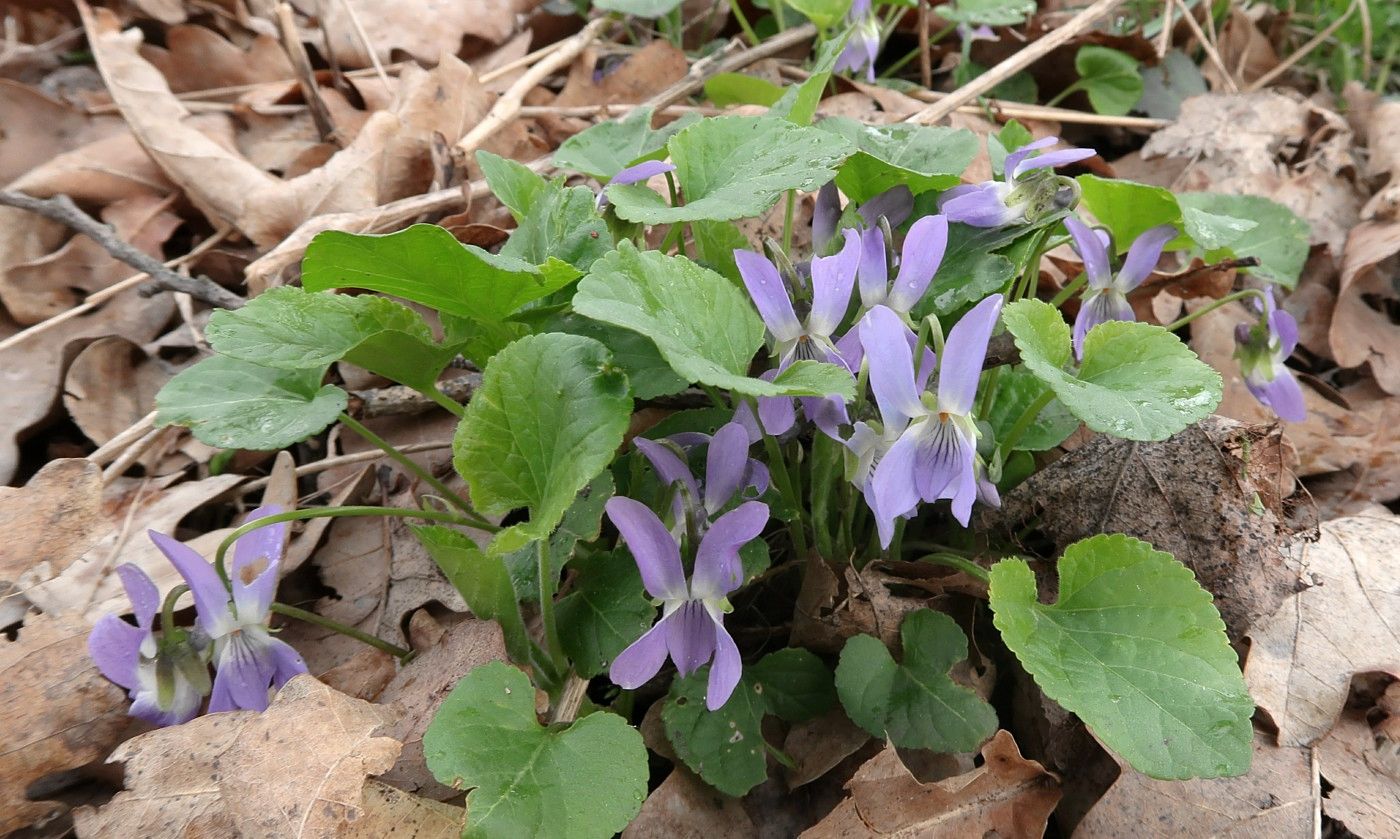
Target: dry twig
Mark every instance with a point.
(61, 208)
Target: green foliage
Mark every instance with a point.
(1017, 390)
(582, 523)
(733, 167)
(483, 582)
(824, 13)
(703, 325)
(1136, 381)
(603, 150)
(548, 416)
(585, 780)
(647, 372)
(798, 104)
(607, 610)
(1134, 647)
(1109, 77)
(920, 157)
(234, 404)
(725, 746)
(725, 89)
(1278, 237)
(914, 704)
(990, 12)
(1167, 85)
(1126, 208)
(641, 8)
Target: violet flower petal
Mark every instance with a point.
(645, 170)
(1099, 307)
(1284, 328)
(286, 662)
(1092, 252)
(923, 253)
(982, 206)
(777, 414)
(833, 277)
(894, 204)
(256, 559)
(1013, 160)
(946, 467)
(726, 670)
(827, 413)
(690, 637)
(725, 464)
(891, 366)
(1143, 255)
(211, 599)
(183, 706)
(892, 485)
(1282, 394)
(769, 294)
(642, 660)
(115, 647)
(670, 468)
(655, 551)
(966, 348)
(874, 267)
(243, 671)
(825, 214)
(717, 567)
(1061, 157)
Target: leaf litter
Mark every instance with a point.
(194, 127)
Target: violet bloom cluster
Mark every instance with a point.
(1262, 351)
(931, 437)
(728, 472)
(230, 628)
(1106, 297)
(1029, 190)
(864, 45)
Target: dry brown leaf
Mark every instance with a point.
(294, 770)
(818, 745)
(425, 29)
(60, 713)
(419, 689)
(1364, 797)
(49, 524)
(391, 812)
(38, 127)
(1303, 657)
(196, 58)
(1362, 331)
(1192, 495)
(685, 807)
(1244, 50)
(1008, 796)
(364, 675)
(1274, 799)
(90, 585)
(646, 72)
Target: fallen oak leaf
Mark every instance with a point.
(1008, 796)
(685, 807)
(297, 769)
(425, 29)
(50, 523)
(1361, 331)
(60, 713)
(1363, 796)
(1303, 657)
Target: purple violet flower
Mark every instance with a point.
(728, 471)
(863, 47)
(165, 677)
(691, 630)
(935, 453)
(247, 659)
(894, 204)
(968, 33)
(1028, 191)
(1262, 351)
(923, 251)
(1106, 298)
(635, 173)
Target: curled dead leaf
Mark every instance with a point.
(1364, 797)
(1362, 329)
(685, 807)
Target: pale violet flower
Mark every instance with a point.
(1262, 351)
(1029, 190)
(1106, 297)
(863, 47)
(728, 472)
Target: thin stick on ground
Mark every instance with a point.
(345, 460)
(508, 106)
(705, 68)
(1016, 63)
(97, 298)
(61, 208)
(1303, 51)
(1226, 76)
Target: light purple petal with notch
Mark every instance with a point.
(142, 592)
(1013, 160)
(743, 415)
(211, 599)
(769, 294)
(717, 567)
(882, 334)
(874, 270)
(115, 647)
(726, 671)
(852, 353)
(941, 459)
(893, 487)
(984, 206)
(725, 464)
(1092, 252)
(777, 413)
(895, 204)
(1282, 395)
(923, 253)
(655, 551)
(833, 277)
(1054, 159)
(827, 413)
(670, 468)
(826, 212)
(256, 559)
(286, 662)
(642, 660)
(756, 476)
(642, 171)
(1285, 329)
(244, 669)
(690, 637)
(1143, 255)
(966, 348)
(1099, 307)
